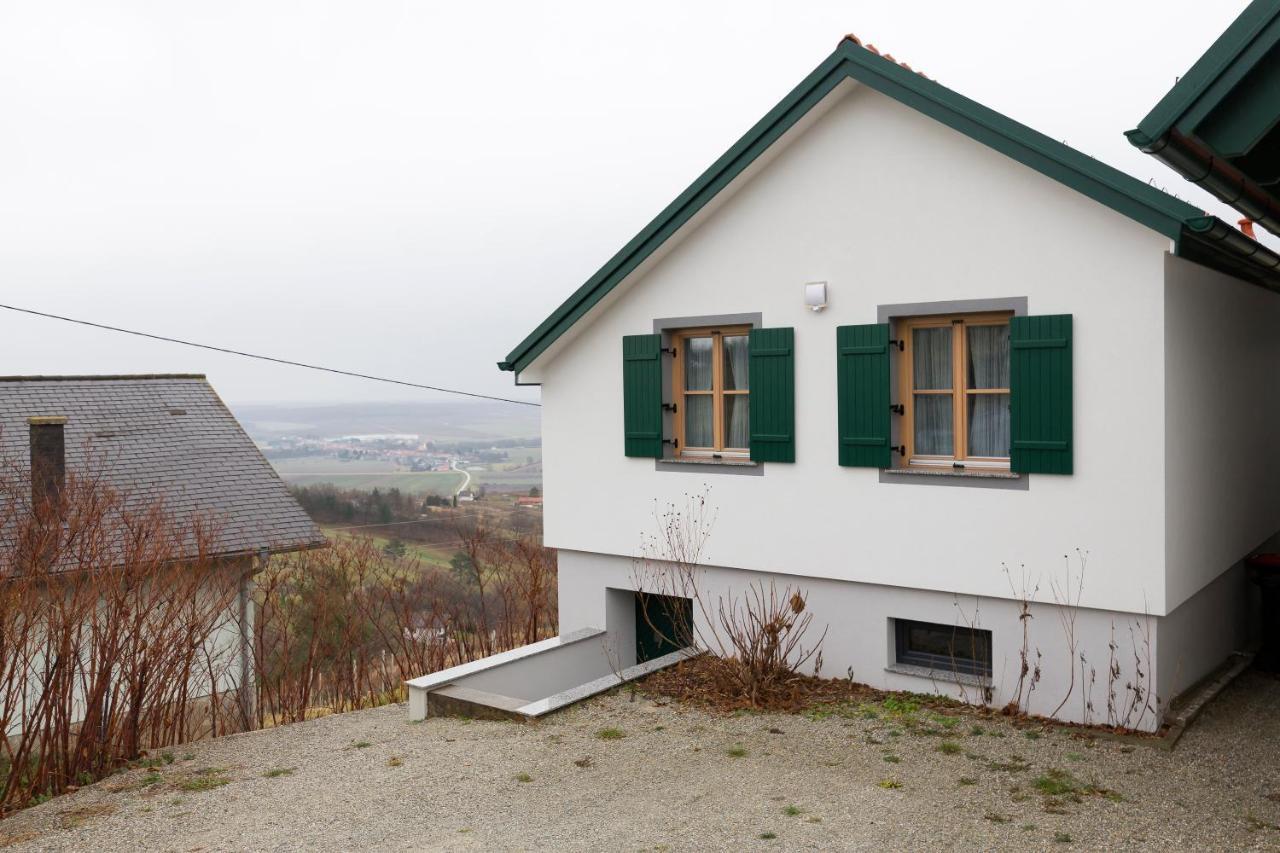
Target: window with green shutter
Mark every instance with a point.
(642, 395)
(1040, 392)
(862, 377)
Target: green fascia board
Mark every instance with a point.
(1213, 76)
(1119, 191)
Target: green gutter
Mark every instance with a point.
(1121, 192)
(1179, 129)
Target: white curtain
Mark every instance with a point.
(737, 432)
(697, 364)
(931, 370)
(988, 368)
(697, 420)
(931, 358)
(735, 363)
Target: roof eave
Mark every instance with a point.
(1202, 167)
(1121, 192)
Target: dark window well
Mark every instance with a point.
(950, 648)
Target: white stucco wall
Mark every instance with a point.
(1222, 423)
(860, 641)
(888, 207)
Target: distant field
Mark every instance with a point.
(409, 482)
(331, 465)
(428, 555)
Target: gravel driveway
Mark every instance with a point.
(616, 773)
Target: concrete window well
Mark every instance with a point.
(642, 633)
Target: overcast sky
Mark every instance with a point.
(407, 189)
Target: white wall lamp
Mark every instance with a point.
(815, 295)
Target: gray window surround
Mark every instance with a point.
(968, 479)
(664, 327)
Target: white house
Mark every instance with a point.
(923, 357)
(135, 444)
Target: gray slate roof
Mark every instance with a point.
(162, 437)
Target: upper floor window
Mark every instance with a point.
(955, 391)
(712, 387)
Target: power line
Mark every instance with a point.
(285, 361)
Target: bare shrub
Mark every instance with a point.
(344, 627)
(756, 636)
(114, 633)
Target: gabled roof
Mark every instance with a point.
(1209, 240)
(168, 438)
(1219, 126)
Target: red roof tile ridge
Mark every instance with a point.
(889, 56)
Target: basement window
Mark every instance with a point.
(943, 648)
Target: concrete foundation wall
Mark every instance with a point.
(860, 638)
(539, 676)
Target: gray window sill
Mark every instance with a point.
(949, 477)
(939, 674)
(951, 472)
(710, 466)
(694, 460)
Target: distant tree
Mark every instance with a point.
(535, 492)
(395, 549)
(463, 568)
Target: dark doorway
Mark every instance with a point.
(664, 624)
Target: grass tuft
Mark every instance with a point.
(277, 772)
(523, 777)
(736, 751)
(949, 747)
(889, 784)
(611, 733)
(792, 811)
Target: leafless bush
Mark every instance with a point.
(342, 628)
(113, 621)
(756, 636)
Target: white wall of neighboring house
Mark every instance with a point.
(889, 207)
(1222, 413)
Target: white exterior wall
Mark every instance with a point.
(1222, 422)
(860, 637)
(888, 207)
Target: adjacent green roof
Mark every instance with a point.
(1198, 236)
(1219, 126)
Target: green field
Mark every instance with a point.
(427, 555)
(409, 482)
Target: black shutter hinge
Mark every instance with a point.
(900, 449)
(894, 342)
(669, 407)
(671, 351)
(897, 408)
(674, 442)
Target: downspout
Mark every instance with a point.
(248, 677)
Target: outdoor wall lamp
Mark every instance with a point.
(815, 295)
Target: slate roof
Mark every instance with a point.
(166, 437)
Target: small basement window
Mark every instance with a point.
(947, 648)
(709, 376)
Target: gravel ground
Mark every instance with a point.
(678, 779)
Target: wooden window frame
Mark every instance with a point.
(679, 340)
(959, 391)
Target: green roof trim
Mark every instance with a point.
(1109, 186)
(1219, 126)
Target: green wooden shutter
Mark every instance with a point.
(862, 376)
(773, 395)
(642, 395)
(1040, 394)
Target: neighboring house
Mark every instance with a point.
(909, 342)
(167, 440)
